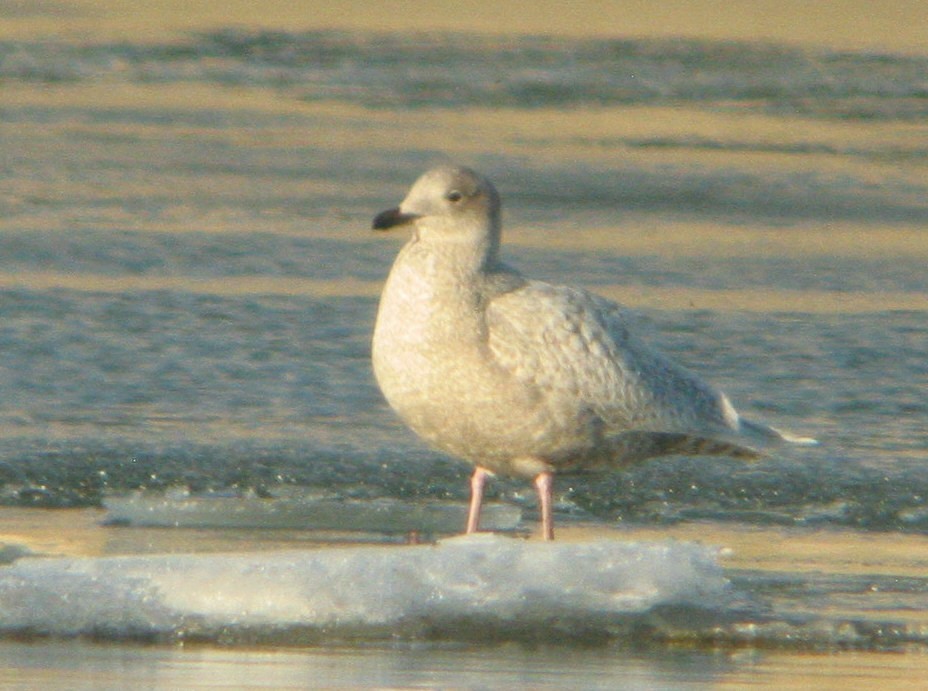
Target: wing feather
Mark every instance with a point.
(576, 349)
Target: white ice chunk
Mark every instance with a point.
(302, 512)
(463, 587)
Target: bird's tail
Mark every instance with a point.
(765, 436)
(748, 444)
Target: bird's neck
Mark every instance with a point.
(460, 254)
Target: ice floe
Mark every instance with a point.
(470, 588)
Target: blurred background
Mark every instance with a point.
(188, 282)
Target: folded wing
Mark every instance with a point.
(576, 350)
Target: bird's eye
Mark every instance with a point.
(454, 196)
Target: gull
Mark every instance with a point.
(524, 378)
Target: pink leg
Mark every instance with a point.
(477, 481)
(544, 483)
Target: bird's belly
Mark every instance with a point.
(463, 408)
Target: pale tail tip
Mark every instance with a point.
(799, 441)
(772, 433)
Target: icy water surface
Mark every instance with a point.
(188, 286)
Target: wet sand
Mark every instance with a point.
(84, 533)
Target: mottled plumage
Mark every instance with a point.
(520, 377)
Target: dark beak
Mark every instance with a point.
(391, 218)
